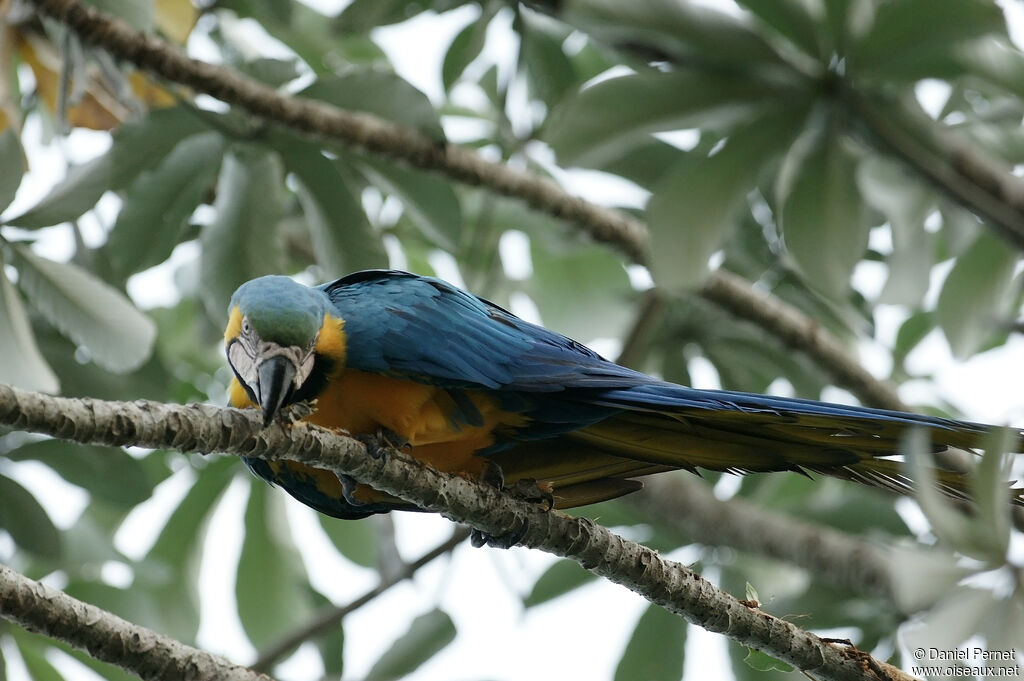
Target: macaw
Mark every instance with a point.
(469, 388)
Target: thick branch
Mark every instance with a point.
(689, 507)
(666, 583)
(361, 131)
(107, 637)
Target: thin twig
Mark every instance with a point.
(329, 617)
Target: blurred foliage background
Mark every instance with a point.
(823, 150)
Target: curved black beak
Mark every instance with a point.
(276, 375)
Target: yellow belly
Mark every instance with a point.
(425, 416)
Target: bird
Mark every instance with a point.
(469, 388)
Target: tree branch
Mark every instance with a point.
(329, 617)
(203, 428)
(973, 179)
(109, 638)
(690, 508)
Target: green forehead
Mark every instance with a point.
(281, 310)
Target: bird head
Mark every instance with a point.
(281, 341)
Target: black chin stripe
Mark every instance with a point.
(319, 377)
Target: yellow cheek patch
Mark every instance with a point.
(234, 328)
(332, 341)
(237, 397)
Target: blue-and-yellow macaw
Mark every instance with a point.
(473, 389)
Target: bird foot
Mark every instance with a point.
(535, 492)
(506, 540)
(296, 412)
(526, 489)
(377, 444)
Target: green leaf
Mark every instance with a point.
(693, 208)
(593, 127)
(24, 518)
(921, 577)
(109, 473)
(12, 167)
(342, 236)
(382, 93)
(549, 71)
(136, 146)
(427, 635)
(822, 217)
(362, 15)
(355, 541)
(906, 204)
(117, 335)
(241, 243)
(38, 667)
(466, 46)
(555, 287)
(912, 332)
(655, 650)
(764, 662)
(970, 536)
(21, 363)
(271, 578)
(793, 19)
(428, 200)
(899, 45)
(171, 569)
(974, 295)
(158, 204)
(562, 577)
(689, 33)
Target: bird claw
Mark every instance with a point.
(377, 444)
(297, 411)
(506, 540)
(526, 489)
(534, 492)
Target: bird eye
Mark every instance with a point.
(246, 326)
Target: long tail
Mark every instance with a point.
(663, 426)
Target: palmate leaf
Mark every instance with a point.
(692, 210)
(242, 241)
(466, 46)
(12, 167)
(974, 295)
(427, 635)
(822, 217)
(117, 335)
(109, 473)
(382, 93)
(429, 202)
(900, 45)
(21, 363)
(137, 145)
(270, 586)
(686, 31)
(158, 204)
(655, 651)
(26, 521)
(171, 568)
(593, 127)
(343, 238)
(562, 577)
